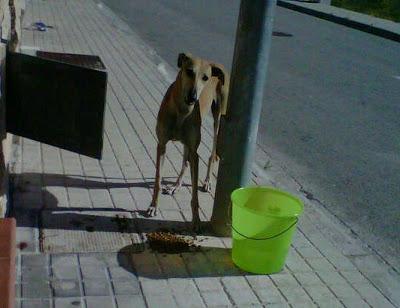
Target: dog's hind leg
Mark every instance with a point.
(170, 190)
(216, 111)
(152, 210)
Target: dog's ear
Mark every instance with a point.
(182, 58)
(218, 72)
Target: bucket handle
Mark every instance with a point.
(269, 237)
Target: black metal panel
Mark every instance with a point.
(53, 100)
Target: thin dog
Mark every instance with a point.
(199, 87)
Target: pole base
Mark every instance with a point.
(221, 228)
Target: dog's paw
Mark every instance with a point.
(206, 186)
(169, 190)
(151, 211)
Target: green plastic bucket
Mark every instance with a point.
(263, 222)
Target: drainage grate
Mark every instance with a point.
(86, 231)
(88, 61)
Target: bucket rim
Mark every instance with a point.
(273, 189)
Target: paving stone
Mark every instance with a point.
(296, 263)
(165, 301)
(17, 303)
(65, 260)
(309, 252)
(278, 305)
(30, 261)
(239, 291)
(96, 287)
(320, 264)
(18, 290)
(94, 272)
(235, 283)
(354, 277)
(36, 289)
(269, 295)
(342, 263)
(329, 303)
(319, 293)
(34, 274)
(344, 290)
(216, 298)
(354, 302)
(155, 287)
(198, 265)
(308, 279)
(189, 298)
(124, 287)
(331, 277)
(259, 281)
(65, 272)
(36, 303)
(99, 302)
(68, 303)
(295, 294)
(368, 263)
(208, 284)
(173, 265)
(130, 301)
(28, 237)
(66, 288)
(367, 290)
(103, 259)
(120, 273)
(380, 302)
(284, 280)
(306, 304)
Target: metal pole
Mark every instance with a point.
(238, 133)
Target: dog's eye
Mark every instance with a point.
(190, 72)
(205, 78)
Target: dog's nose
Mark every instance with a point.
(193, 95)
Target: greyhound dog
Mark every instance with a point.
(199, 87)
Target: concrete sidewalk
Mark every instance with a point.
(80, 234)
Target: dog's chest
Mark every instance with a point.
(177, 130)
(178, 127)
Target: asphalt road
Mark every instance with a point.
(331, 112)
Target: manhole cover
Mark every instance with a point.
(86, 231)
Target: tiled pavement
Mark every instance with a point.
(327, 267)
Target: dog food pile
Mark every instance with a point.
(167, 242)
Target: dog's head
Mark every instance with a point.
(195, 73)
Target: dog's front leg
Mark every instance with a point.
(170, 190)
(152, 210)
(194, 169)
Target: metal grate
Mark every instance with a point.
(88, 61)
(87, 231)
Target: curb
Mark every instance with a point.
(388, 29)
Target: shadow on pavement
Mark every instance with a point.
(203, 262)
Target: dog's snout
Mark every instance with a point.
(193, 94)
